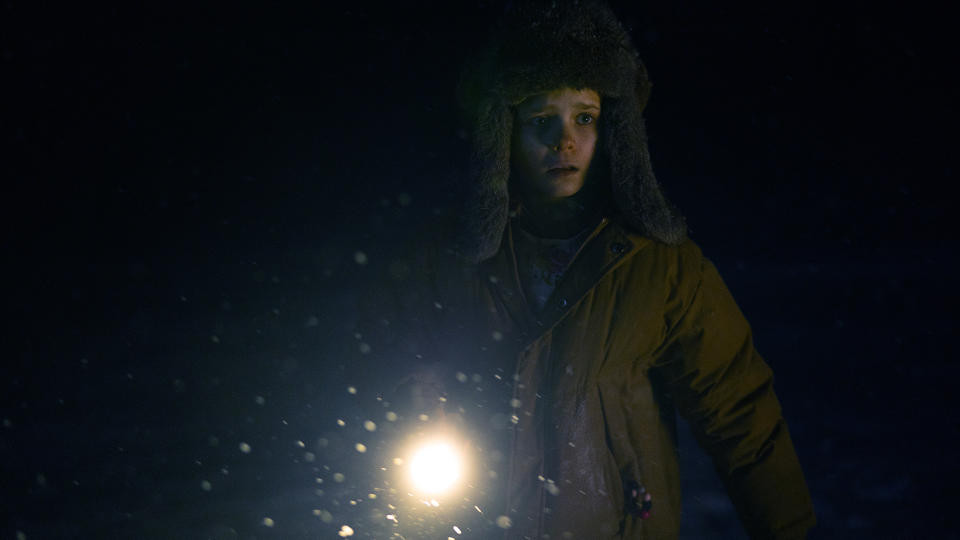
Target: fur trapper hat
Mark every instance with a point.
(539, 47)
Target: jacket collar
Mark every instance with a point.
(608, 246)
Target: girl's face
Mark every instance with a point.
(554, 140)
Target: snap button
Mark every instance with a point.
(618, 248)
(639, 501)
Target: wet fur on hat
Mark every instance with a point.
(538, 47)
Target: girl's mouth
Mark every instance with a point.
(562, 171)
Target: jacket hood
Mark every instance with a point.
(541, 46)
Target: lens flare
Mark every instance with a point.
(435, 467)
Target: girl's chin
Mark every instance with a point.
(561, 188)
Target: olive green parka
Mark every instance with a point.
(572, 408)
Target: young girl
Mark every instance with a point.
(574, 316)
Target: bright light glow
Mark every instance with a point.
(435, 467)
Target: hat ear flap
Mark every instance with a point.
(483, 221)
(643, 86)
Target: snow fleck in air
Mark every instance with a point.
(372, 496)
(434, 503)
(351, 390)
(312, 321)
(461, 376)
(423, 417)
(325, 516)
(552, 488)
(345, 531)
(340, 422)
(437, 305)
(456, 529)
(215, 339)
(369, 425)
(504, 522)
(300, 444)
(259, 400)
(477, 508)
(360, 447)
(515, 403)
(364, 348)
(245, 448)
(21, 535)
(267, 522)
(338, 477)
(514, 419)
(392, 517)
(497, 335)
(7, 423)
(391, 416)
(494, 279)
(309, 457)
(360, 258)
(322, 442)
(205, 485)
(397, 461)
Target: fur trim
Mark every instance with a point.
(538, 47)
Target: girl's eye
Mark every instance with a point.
(584, 119)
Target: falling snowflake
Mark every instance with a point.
(245, 448)
(369, 425)
(552, 487)
(504, 522)
(345, 531)
(267, 522)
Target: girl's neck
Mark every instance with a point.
(560, 218)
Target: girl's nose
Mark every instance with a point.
(564, 140)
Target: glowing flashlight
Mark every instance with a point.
(435, 467)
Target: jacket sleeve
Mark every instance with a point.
(724, 389)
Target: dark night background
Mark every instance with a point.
(186, 190)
